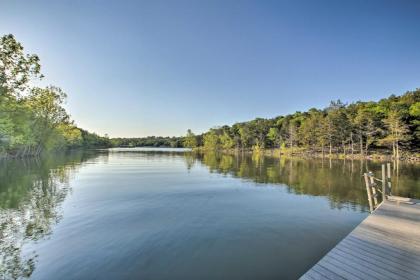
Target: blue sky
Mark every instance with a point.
(137, 68)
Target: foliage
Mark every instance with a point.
(33, 119)
(150, 141)
(211, 140)
(16, 67)
(226, 141)
(190, 140)
(391, 124)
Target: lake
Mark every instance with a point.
(146, 213)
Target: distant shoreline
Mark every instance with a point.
(301, 153)
(406, 156)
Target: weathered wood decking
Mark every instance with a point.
(386, 245)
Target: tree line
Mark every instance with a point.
(391, 125)
(150, 141)
(33, 119)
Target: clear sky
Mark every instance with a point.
(137, 68)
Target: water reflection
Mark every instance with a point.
(339, 180)
(31, 192)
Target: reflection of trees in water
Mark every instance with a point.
(190, 159)
(31, 192)
(339, 180)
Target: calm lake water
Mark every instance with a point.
(170, 214)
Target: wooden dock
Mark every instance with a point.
(386, 245)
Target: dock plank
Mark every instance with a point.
(386, 245)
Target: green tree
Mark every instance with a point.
(49, 114)
(338, 125)
(245, 136)
(415, 115)
(32, 119)
(259, 129)
(310, 130)
(226, 141)
(368, 126)
(16, 67)
(327, 132)
(397, 132)
(211, 140)
(190, 140)
(274, 136)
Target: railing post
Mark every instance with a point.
(383, 183)
(388, 165)
(368, 191)
(372, 186)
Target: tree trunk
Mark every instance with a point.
(367, 146)
(344, 147)
(38, 151)
(330, 149)
(291, 145)
(393, 149)
(361, 145)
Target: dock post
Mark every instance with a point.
(372, 187)
(384, 180)
(388, 165)
(368, 192)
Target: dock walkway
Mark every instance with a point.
(386, 245)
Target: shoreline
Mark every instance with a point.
(410, 157)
